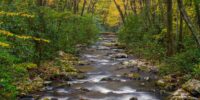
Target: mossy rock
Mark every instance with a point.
(192, 86)
(144, 68)
(132, 75)
(27, 86)
(181, 94)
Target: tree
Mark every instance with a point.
(169, 35)
(83, 8)
(120, 11)
(189, 23)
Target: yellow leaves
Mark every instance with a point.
(3, 32)
(12, 14)
(27, 65)
(2, 44)
(9, 34)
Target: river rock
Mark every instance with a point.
(83, 63)
(120, 55)
(168, 82)
(181, 94)
(47, 83)
(133, 98)
(135, 76)
(108, 44)
(147, 78)
(160, 83)
(130, 63)
(103, 48)
(61, 53)
(192, 86)
(107, 79)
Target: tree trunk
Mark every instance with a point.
(120, 11)
(180, 36)
(83, 9)
(133, 6)
(170, 40)
(196, 3)
(187, 20)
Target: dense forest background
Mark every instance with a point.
(165, 32)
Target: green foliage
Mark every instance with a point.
(29, 33)
(185, 61)
(196, 70)
(148, 42)
(6, 58)
(141, 41)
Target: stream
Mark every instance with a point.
(105, 81)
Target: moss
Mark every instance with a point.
(132, 75)
(144, 68)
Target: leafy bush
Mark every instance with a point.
(141, 41)
(148, 42)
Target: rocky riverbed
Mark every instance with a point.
(106, 73)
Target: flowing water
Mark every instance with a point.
(104, 66)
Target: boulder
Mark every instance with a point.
(192, 86)
(181, 94)
(163, 84)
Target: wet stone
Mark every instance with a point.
(119, 55)
(192, 86)
(133, 98)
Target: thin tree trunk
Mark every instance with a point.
(38, 45)
(83, 9)
(187, 20)
(133, 6)
(120, 11)
(180, 36)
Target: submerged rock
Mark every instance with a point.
(181, 94)
(192, 86)
(83, 89)
(110, 79)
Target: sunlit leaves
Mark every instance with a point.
(12, 14)
(25, 37)
(2, 44)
